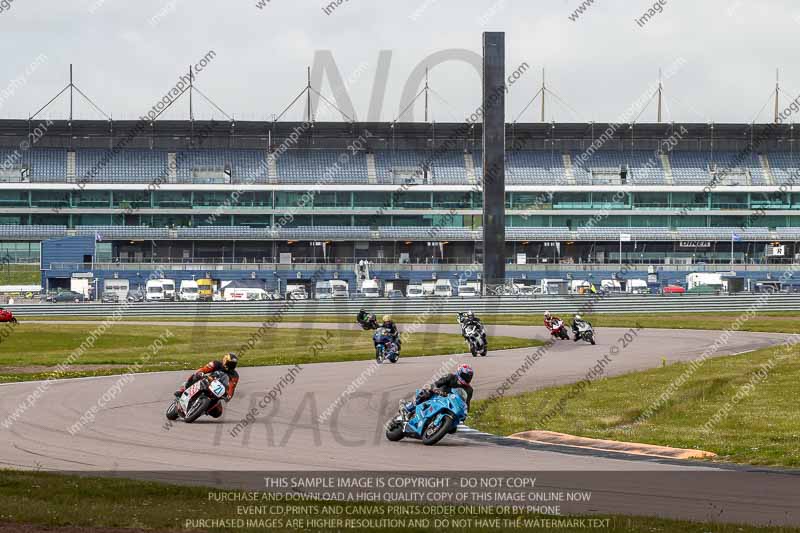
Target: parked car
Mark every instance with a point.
(67, 296)
(394, 294)
(136, 295)
(110, 298)
(673, 289)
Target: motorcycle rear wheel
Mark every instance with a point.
(394, 431)
(198, 408)
(431, 436)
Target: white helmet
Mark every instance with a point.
(578, 317)
(547, 314)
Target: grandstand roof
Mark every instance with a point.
(253, 134)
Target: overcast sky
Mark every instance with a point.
(127, 54)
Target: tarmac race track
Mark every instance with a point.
(129, 431)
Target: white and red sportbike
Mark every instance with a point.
(199, 398)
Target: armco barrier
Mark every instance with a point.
(299, 308)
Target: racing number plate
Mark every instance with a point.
(218, 389)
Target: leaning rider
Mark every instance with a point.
(577, 321)
(227, 366)
(549, 320)
(471, 319)
(366, 320)
(460, 379)
(391, 329)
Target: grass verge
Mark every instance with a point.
(763, 321)
(743, 407)
(38, 347)
(52, 500)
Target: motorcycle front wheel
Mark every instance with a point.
(172, 411)
(434, 433)
(394, 431)
(198, 408)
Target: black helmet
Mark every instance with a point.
(230, 361)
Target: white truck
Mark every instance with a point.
(370, 288)
(553, 286)
(323, 290)
(428, 287)
(637, 286)
(154, 291)
(579, 286)
(470, 289)
(168, 286)
(243, 294)
(296, 291)
(443, 288)
(189, 291)
(339, 289)
(611, 285)
(81, 285)
(709, 279)
(116, 289)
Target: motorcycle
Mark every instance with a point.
(197, 399)
(559, 330)
(367, 322)
(385, 346)
(585, 332)
(432, 419)
(7, 316)
(475, 335)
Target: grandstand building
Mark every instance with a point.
(275, 200)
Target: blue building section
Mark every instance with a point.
(62, 258)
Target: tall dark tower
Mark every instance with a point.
(494, 170)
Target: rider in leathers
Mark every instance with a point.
(228, 366)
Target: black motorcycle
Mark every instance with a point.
(367, 321)
(475, 335)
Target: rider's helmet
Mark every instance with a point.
(547, 315)
(470, 315)
(464, 374)
(578, 316)
(386, 318)
(229, 361)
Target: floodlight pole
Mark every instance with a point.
(544, 89)
(777, 96)
(70, 92)
(660, 87)
(308, 95)
(191, 90)
(426, 94)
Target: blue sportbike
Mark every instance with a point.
(386, 348)
(432, 419)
